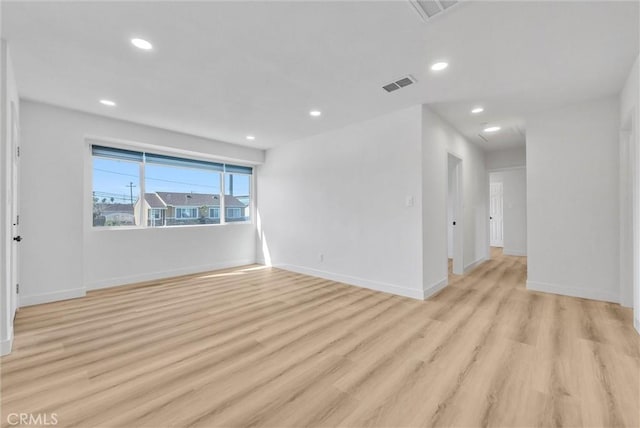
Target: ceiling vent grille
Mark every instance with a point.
(398, 84)
(428, 9)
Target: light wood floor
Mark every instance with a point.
(263, 347)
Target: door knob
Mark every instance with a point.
(17, 238)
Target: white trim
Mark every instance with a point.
(131, 279)
(435, 288)
(636, 324)
(567, 290)
(6, 345)
(414, 293)
(475, 264)
(509, 252)
(36, 299)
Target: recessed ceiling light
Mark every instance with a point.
(142, 44)
(251, 137)
(108, 103)
(315, 113)
(439, 66)
(477, 110)
(492, 129)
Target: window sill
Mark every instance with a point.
(174, 226)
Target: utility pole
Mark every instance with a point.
(131, 186)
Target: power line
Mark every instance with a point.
(155, 179)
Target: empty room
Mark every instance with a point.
(403, 213)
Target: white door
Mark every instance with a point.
(15, 216)
(455, 216)
(495, 215)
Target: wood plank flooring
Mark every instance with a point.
(256, 346)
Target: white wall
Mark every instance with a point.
(630, 192)
(506, 158)
(572, 200)
(514, 211)
(438, 139)
(343, 194)
(8, 96)
(61, 257)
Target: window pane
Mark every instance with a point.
(181, 196)
(115, 192)
(237, 197)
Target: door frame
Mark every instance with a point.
(458, 201)
(630, 146)
(501, 183)
(489, 171)
(14, 218)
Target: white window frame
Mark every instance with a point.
(91, 140)
(233, 209)
(193, 209)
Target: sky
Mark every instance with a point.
(112, 179)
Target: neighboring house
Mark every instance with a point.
(174, 208)
(113, 214)
(156, 210)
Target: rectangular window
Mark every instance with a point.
(234, 213)
(186, 213)
(188, 188)
(237, 193)
(116, 187)
(177, 191)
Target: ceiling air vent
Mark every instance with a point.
(394, 86)
(427, 9)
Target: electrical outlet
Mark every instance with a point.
(409, 201)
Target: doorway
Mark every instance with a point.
(454, 215)
(496, 210)
(15, 216)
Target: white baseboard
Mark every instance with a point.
(6, 345)
(433, 289)
(511, 252)
(475, 264)
(567, 290)
(414, 293)
(131, 279)
(37, 299)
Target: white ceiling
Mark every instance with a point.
(227, 69)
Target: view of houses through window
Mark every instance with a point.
(177, 191)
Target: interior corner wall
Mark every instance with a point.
(438, 139)
(572, 200)
(345, 205)
(8, 96)
(630, 192)
(62, 256)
